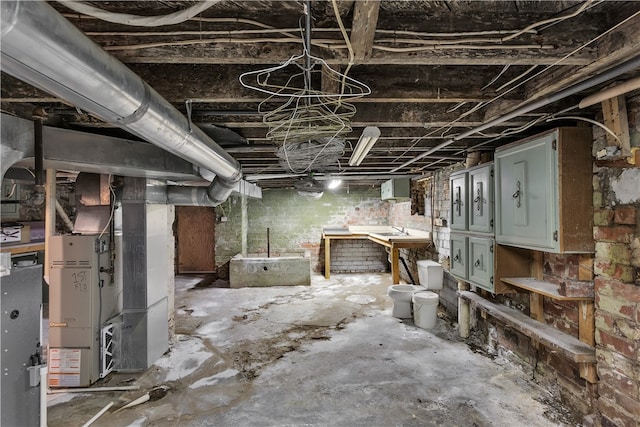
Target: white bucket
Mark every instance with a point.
(425, 309)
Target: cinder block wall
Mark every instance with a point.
(295, 226)
(358, 256)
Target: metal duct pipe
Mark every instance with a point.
(45, 50)
(614, 72)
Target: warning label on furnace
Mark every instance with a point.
(64, 367)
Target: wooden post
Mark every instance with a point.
(327, 257)
(586, 322)
(536, 306)
(464, 320)
(395, 271)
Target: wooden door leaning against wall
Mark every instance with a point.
(195, 239)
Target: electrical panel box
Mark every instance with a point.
(82, 297)
(544, 192)
(396, 188)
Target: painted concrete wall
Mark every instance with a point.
(295, 225)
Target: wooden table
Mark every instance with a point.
(22, 248)
(394, 243)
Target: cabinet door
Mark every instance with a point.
(459, 256)
(481, 202)
(458, 201)
(385, 190)
(526, 194)
(481, 262)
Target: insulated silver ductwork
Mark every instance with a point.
(42, 48)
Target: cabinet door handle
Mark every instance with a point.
(456, 258)
(478, 198)
(458, 201)
(518, 194)
(477, 263)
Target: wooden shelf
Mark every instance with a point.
(547, 289)
(571, 347)
(554, 339)
(22, 248)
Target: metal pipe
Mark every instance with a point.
(268, 244)
(614, 72)
(42, 48)
(39, 114)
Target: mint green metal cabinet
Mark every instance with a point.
(459, 259)
(397, 188)
(481, 262)
(459, 197)
(481, 203)
(544, 193)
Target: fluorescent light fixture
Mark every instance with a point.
(369, 136)
(334, 183)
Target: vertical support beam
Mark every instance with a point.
(536, 306)
(330, 82)
(586, 322)
(363, 27)
(50, 217)
(327, 257)
(464, 319)
(244, 225)
(395, 270)
(614, 111)
(588, 372)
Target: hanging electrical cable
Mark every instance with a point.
(137, 20)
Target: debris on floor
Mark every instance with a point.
(325, 354)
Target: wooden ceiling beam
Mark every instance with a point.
(275, 54)
(363, 28)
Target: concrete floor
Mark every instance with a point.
(329, 354)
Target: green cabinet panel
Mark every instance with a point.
(525, 190)
(397, 188)
(481, 203)
(459, 256)
(481, 262)
(544, 193)
(459, 197)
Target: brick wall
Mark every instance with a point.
(617, 280)
(437, 190)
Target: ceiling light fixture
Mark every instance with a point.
(334, 183)
(369, 136)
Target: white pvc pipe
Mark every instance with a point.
(98, 415)
(44, 385)
(611, 92)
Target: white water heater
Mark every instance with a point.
(85, 291)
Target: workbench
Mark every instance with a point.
(386, 236)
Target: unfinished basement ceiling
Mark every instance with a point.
(435, 69)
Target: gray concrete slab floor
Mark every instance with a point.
(329, 354)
